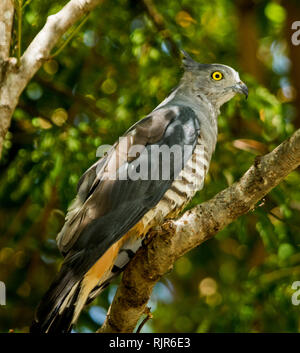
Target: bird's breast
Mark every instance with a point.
(183, 188)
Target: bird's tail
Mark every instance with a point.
(56, 309)
(72, 290)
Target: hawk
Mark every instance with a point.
(118, 202)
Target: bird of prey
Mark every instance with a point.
(112, 213)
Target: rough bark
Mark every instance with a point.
(177, 237)
(16, 76)
(6, 21)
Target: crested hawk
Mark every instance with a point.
(124, 194)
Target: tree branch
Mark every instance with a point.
(176, 237)
(16, 77)
(6, 21)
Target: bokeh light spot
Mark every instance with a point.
(59, 116)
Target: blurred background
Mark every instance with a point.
(121, 62)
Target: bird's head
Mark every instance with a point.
(219, 83)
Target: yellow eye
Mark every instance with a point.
(217, 75)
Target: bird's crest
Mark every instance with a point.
(188, 62)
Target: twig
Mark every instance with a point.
(71, 36)
(27, 2)
(284, 221)
(146, 319)
(277, 275)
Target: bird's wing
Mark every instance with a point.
(107, 208)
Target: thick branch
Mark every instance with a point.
(177, 237)
(6, 21)
(56, 25)
(17, 77)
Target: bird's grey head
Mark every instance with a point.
(219, 83)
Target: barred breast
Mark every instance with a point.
(183, 188)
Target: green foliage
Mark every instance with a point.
(115, 69)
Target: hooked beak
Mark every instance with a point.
(241, 88)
